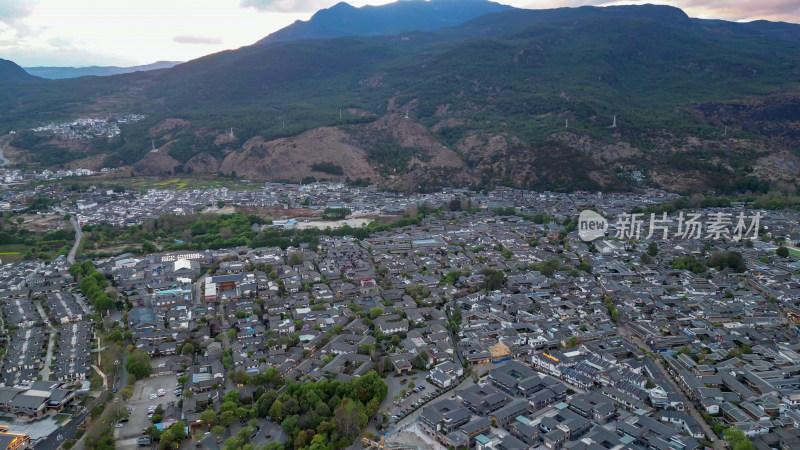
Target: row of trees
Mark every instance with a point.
(92, 285)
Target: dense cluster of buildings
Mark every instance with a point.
(15, 177)
(36, 302)
(90, 127)
(611, 343)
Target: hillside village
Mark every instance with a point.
(492, 323)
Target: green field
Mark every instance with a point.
(172, 182)
(12, 252)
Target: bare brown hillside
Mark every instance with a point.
(290, 159)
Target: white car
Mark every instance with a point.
(153, 396)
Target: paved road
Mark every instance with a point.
(3, 160)
(122, 374)
(51, 343)
(719, 444)
(78, 236)
(110, 406)
(67, 431)
(197, 292)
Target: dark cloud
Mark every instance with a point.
(186, 39)
(287, 5)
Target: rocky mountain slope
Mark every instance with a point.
(570, 98)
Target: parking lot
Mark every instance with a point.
(415, 397)
(139, 402)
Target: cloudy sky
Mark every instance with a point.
(131, 32)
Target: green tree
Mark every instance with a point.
(208, 417)
(572, 342)
(349, 418)
(226, 418)
(457, 315)
(493, 279)
(452, 277)
(188, 349)
(115, 336)
(737, 439)
(242, 413)
(178, 431)
(276, 411)
(126, 393)
(782, 251)
(138, 364)
(296, 258)
(420, 362)
(218, 431)
(375, 312)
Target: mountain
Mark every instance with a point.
(10, 71)
(343, 19)
(57, 73)
(569, 98)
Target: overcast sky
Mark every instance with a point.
(131, 32)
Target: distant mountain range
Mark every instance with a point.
(10, 71)
(569, 98)
(343, 19)
(57, 73)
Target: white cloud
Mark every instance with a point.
(132, 32)
(13, 10)
(188, 39)
(87, 32)
(287, 5)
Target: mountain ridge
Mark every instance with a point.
(487, 100)
(12, 72)
(343, 19)
(62, 72)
